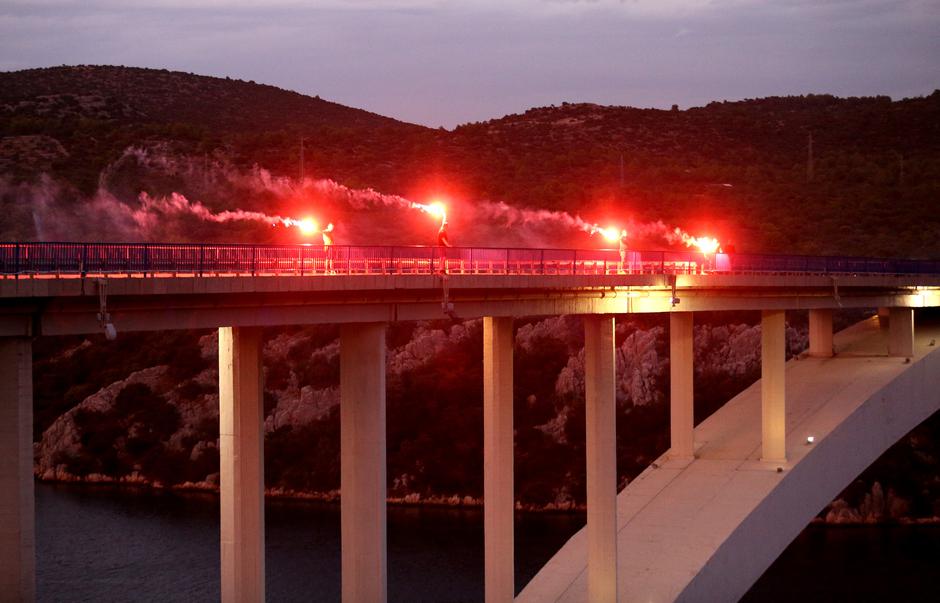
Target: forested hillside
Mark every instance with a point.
(741, 169)
(88, 153)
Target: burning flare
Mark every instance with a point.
(436, 209)
(611, 233)
(308, 226)
(706, 245)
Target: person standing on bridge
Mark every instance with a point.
(443, 243)
(328, 248)
(623, 249)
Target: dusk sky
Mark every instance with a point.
(445, 62)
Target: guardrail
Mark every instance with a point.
(172, 259)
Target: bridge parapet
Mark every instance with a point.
(153, 259)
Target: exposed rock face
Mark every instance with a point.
(302, 388)
(62, 437)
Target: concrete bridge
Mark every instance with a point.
(700, 524)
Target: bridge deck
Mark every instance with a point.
(59, 288)
(706, 529)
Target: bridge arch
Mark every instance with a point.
(706, 529)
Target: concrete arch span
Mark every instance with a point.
(706, 529)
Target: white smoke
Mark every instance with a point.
(120, 210)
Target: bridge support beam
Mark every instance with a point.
(362, 463)
(901, 332)
(681, 375)
(820, 333)
(498, 497)
(17, 520)
(241, 464)
(773, 386)
(601, 444)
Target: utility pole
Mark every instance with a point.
(809, 158)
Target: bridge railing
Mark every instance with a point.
(162, 259)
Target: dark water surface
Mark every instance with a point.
(105, 544)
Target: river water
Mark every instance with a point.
(106, 544)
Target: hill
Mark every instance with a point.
(737, 168)
(95, 112)
(79, 139)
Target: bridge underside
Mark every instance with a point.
(706, 529)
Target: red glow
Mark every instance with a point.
(435, 208)
(307, 226)
(610, 233)
(706, 244)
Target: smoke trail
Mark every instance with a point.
(481, 215)
(152, 208)
(358, 198)
(119, 209)
(499, 213)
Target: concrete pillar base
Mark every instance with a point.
(820, 333)
(773, 386)
(901, 332)
(498, 496)
(681, 375)
(601, 445)
(17, 514)
(884, 315)
(241, 464)
(362, 463)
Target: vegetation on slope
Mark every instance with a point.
(740, 170)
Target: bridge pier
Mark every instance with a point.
(773, 386)
(498, 497)
(362, 463)
(17, 513)
(681, 376)
(901, 332)
(241, 464)
(820, 333)
(601, 445)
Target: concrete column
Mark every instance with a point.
(820, 333)
(601, 444)
(241, 464)
(362, 463)
(901, 332)
(498, 497)
(773, 386)
(681, 375)
(17, 521)
(884, 314)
